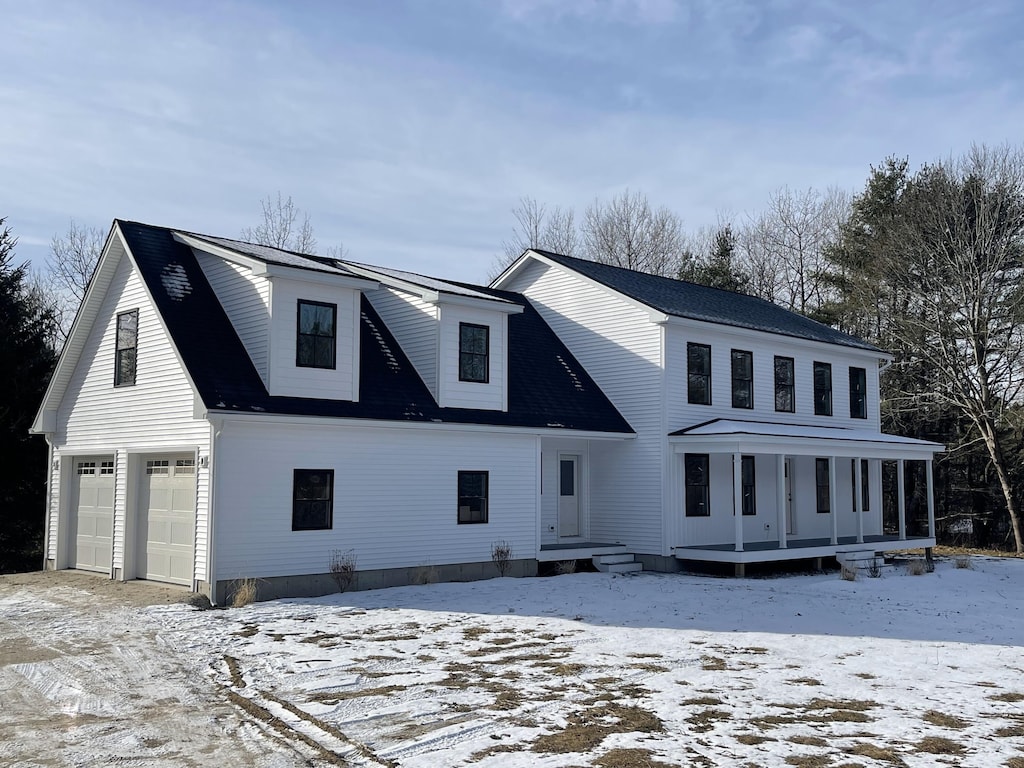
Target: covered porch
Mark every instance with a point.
(801, 509)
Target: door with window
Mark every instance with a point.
(569, 495)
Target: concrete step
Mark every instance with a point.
(611, 559)
(620, 563)
(622, 568)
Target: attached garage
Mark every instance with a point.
(93, 512)
(167, 519)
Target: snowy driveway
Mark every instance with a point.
(578, 670)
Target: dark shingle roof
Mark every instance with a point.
(548, 388)
(712, 305)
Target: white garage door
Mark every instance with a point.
(167, 518)
(93, 508)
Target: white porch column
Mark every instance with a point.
(833, 505)
(737, 498)
(931, 498)
(780, 498)
(901, 498)
(859, 497)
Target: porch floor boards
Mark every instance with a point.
(795, 549)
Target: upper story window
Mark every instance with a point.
(858, 393)
(313, 500)
(473, 496)
(127, 348)
(742, 379)
(474, 352)
(785, 399)
(822, 389)
(317, 330)
(698, 374)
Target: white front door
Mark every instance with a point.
(167, 503)
(568, 495)
(789, 498)
(93, 510)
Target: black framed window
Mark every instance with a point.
(748, 485)
(823, 491)
(742, 379)
(698, 498)
(698, 374)
(785, 397)
(316, 341)
(473, 493)
(474, 352)
(858, 393)
(313, 500)
(822, 389)
(126, 353)
(865, 484)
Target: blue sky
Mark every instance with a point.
(409, 130)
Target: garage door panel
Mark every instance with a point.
(167, 521)
(93, 511)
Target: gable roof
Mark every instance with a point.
(548, 388)
(699, 302)
(429, 283)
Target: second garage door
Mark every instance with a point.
(167, 519)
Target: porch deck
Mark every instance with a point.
(795, 549)
(577, 550)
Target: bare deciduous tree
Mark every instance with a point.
(537, 226)
(957, 258)
(284, 226)
(627, 232)
(69, 267)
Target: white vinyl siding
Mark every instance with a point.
(453, 393)
(395, 497)
(620, 348)
(246, 301)
(414, 324)
(97, 417)
(286, 378)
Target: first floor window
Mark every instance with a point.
(313, 500)
(698, 502)
(824, 494)
(742, 379)
(473, 497)
(822, 389)
(316, 342)
(864, 484)
(126, 351)
(474, 352)
(785, 400)
(747, 486)
(698, 374)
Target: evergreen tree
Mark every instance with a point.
(28, 329)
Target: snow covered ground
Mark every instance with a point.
(646, 670)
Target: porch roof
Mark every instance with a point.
(738, 436)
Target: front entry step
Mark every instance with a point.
(858, 558)
(624, 563)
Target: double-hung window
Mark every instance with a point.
(865, 484)
(313, 500)
(473, 495)
(822, 389)
(742, 379)
(785, 399)
(698, 500)
(126, 352)
(858, 393)
(822, 486)
(316, 342)
(698, 374)
(474, 352)
(748, 485)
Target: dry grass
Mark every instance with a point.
(805, 681)
(705, 720)
(1014, 762)
(704, 701)
(916, 567)
(565, 567)
(808, 741)
(243, 592)
(333, 697)
(234, 671)
(809, 761)
(875, 752)
(629, 758)
(943, 720)
(752, 739)
(963, 562)
(939, 745)
(1009, 697)
(587, 729)
(848, 573)
(712, 664)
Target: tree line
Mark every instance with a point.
(926, 264)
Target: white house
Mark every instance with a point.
(224, 411)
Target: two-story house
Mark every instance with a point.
(226, 411)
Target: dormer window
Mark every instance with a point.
(127, 348)
(317, 335)
(474, 352)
